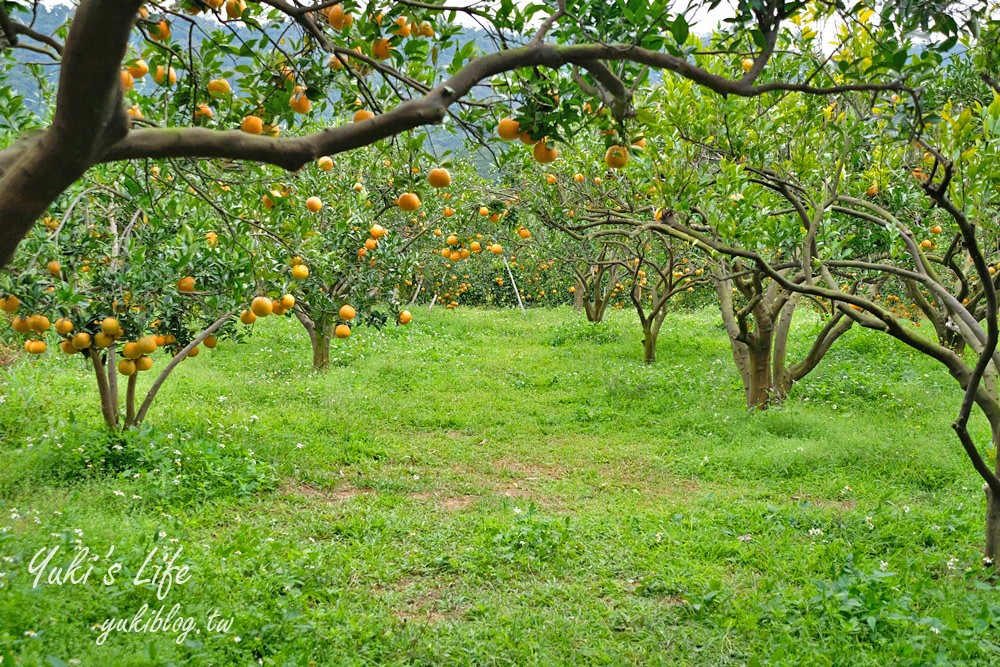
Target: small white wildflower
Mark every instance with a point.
(935, 630)
(237, 639)
(517, 510)
(883, 565)
(952, 563)
(299, 445)
(868, 522)
(78, 532)
(416, 477)
(705, 460)
(906, 509)
(162, 534)
(119, 493)
(745, 538)
(816, 532)
(659, 537)
(30, 633)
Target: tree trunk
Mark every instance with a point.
(760, 389)
(578, 296)
(992, 549)
(649, 344)
(321, 349)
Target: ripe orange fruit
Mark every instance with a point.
(342, 331)
(524, 233)
(287, 301)
(185, 284)
(347, 312)
(261, 306)
(496, 249)
(300, 271)
(314, 204)
(211, 341)
(405, 317)
(325, 163)
(439, 178)
(337, 18)
(483, 211)
(143, 363)
(103, 340)
(160, 32)
(543, 153)
(235, 9)
(298, 102)
(165, 74)
(936, 229)
(872, 190)
(381, 48)
(452, 239)
(219, 88)
(747, 64)
(509, 129)
(527, 138)
(579, 178)
(67, 347)
(616, 157)
(409, 201)
(10, 303)
(572, 289)
(363, 115)
(377, 231)
(130, 350)
(371, 244)
(551, 178)
(195, 351)
(247, 317)
(128, 81)
(64, 326)
(448, 211)
(926, 244)
(476, 247)
(252, 125)
(203, 111)
(126, 367)
(639, 142)
(138, 69)
(38, 323)
(81, 341)
(146, 345)
(20, 325)
(35, 346)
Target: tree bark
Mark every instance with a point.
(107, 411)
(321, 349)
(649, 336)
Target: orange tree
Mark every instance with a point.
(408, 63)
(132, 267)
(343, 238)
(866, 221)
(594, 205)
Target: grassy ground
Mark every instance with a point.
(482, 488)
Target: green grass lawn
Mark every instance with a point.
(486, 488)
